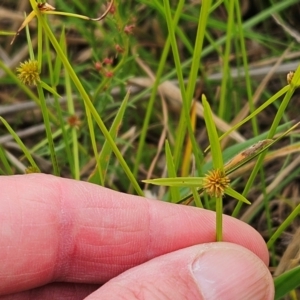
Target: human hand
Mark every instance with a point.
(66, 239)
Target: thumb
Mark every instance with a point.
(208, 271)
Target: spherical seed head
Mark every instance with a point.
(28, 72)
(74, 121)
(119, 48)
(109, 74)
(108, 61)
(129, 29)
(215, 183)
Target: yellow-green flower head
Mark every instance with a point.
(215, 183)
(28, 72)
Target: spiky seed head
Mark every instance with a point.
(28, 72)
(215, 183)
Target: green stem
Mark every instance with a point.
(48, 130)
(283, 226)
(219, 219)
(86, 99)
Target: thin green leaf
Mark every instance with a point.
(89, 105)
(287, 282)
(7, 168)
(29, 42)
(233, 150)
(279, 115)
(223, 103)
(196, 196)
(20, 143)
(256, 112)
(185, 113)
(48, 130)
(199, 191)
(253, 151)
(72, 158)
(234, 194)
(177, 181)
(212, 136)
(105, 154)
(175, 194)
(295, 213)
(49, 89)
(7, 32)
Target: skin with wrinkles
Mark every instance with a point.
(63, 239)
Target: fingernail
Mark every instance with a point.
(228, 271)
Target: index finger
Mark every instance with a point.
(55, 229)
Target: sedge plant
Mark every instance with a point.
(73, 141)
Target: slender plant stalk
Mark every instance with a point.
(156, 83)
(48, 130)
(283, 226)
(219, 219)
(86, 99)
(184, 119)
(226, 59)
(20, 143)
(272, 131)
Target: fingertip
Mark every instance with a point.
(229, 271)
(209, 271)
(107, 232)
(238, 232)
